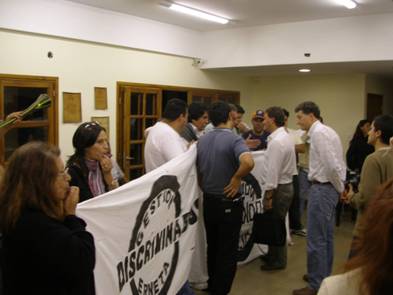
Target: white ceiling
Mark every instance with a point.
(259, 12)
(380, 68)
(242, 12)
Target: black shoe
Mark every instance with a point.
(305, 278)
(269, 267)
(265, 258)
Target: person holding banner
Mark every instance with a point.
(278, 175)
(46, 248)
(164, 143)
(223, 159)
(90, 166)
(327, 173)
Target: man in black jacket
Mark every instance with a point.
(197, 121)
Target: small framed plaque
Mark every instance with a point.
(100, 98)
(72, 110)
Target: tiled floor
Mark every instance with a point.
(250, 280)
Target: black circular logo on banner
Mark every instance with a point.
(156, 233)
(252, 204)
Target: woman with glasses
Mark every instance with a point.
(90, 166)
(46, 249)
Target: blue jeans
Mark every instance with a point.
(322, 201)
(186, 290)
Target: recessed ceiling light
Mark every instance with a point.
(304, 70)
(350, 4)
(198, 13)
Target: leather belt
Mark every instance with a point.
(318, 182)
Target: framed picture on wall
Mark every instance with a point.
(103, 121)
(72, 109)
(100, 98)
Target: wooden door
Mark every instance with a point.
(16, 94)
(374, 105)
(141, 109)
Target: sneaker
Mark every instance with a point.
(300, 232)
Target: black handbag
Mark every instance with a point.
(269, 229)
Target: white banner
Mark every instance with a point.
(145, 230)
(253, 194)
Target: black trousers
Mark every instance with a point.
(295, 222)
(223, 218)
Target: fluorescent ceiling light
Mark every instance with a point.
(304, 70)
(350, 4)
(198, 13)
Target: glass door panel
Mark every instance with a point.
(141, 109)
(19, 136)
(19, 98)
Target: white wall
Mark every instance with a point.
(384, 87)
(73, 20)
(359, 38)
(341, 98)
(81, 66)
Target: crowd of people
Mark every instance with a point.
(47, 250)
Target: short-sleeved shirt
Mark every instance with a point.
(163, 144)
(262, 137)
(218, 159)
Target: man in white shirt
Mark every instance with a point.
(327, 174)
(163, 141)
(279, 170)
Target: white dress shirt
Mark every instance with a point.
(326, 156)
(163, 144)
(280, 159)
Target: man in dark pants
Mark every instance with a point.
(223, 159)
(279, 170)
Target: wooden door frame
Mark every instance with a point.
(121, 85)
(36, 81)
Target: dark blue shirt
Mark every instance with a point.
(218, 159)
(263, 138)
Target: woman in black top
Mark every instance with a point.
(359, 149)
(90, 166)
(46, 249)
